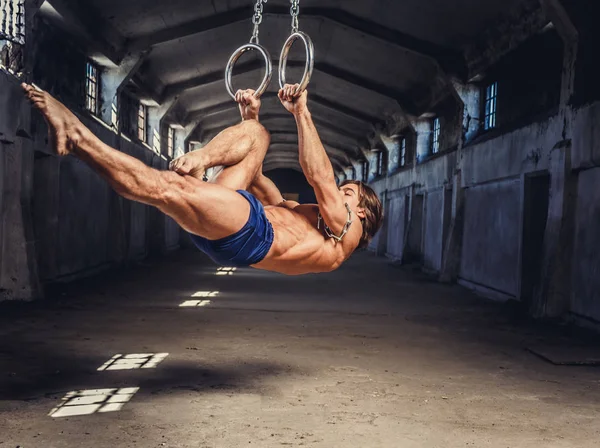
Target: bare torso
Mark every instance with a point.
(299, 247)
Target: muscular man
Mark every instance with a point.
(224, 217)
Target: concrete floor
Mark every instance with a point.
(369, 356)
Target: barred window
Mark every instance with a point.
(403, 152)
(170, 141)
(12, 20)
(379, 163)
(142, 123)
(437, 128)
(91, 88)
(491, 94)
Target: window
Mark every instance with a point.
(437, 127)
(142, 123)
(12, 21)
(170, 141)
(403, 152)
(491, 94)
(379, 163)
(91, 88)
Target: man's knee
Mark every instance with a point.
(260, 135)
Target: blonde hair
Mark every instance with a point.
(369, 201)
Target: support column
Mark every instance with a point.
(19, 276)
(188, 135)
(552, 295)
(470, 95)
(423, 128)
(111, 83)
(452, 252)
(163, 116)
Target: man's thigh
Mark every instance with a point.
(207, 210)
(241, 175)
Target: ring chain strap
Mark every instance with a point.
(329, 232)
(295, 11)
(257, 20)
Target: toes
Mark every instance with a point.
(177, 164)
(184, 167)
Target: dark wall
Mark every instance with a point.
(529, 80)
(79, 223)
(291, 181)
(585, 17)
(59, 65)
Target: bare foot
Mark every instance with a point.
(190, 164)
(64, 129)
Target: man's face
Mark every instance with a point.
(350, 196)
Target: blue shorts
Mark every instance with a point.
(248, 246)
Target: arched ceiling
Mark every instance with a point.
(374, 60)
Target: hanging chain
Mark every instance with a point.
(295, 10)
(257, 20)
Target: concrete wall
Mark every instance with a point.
(490, 252)
(491, 207)
(586, 267)
(397, 213)
(434, 230)
(60, 219)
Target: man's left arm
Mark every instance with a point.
(315, 162)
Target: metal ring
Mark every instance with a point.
(310, 59)
(234, 58)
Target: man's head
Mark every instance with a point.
(365, 204)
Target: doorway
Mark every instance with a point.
(535, 217)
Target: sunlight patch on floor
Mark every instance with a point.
(206, 294)
(86, 402)
(194, 303)
(134, 361)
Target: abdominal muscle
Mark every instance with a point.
(298, 247)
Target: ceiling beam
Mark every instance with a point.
(229, 117)
(449, 59)
(206, 133)
(289, 148)
(325, 141)
(405, 103)
(313, 98)
(330, 138)
(107, 39)
(290, 157)
(275, 165)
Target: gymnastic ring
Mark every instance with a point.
(238, 54)
(310, 59)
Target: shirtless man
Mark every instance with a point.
(240, 218)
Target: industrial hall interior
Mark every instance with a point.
(299, 223)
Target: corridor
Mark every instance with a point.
(174, 353)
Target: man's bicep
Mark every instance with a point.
(331, 205)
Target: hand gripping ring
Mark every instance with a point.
(234, 58)
(310, 59)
